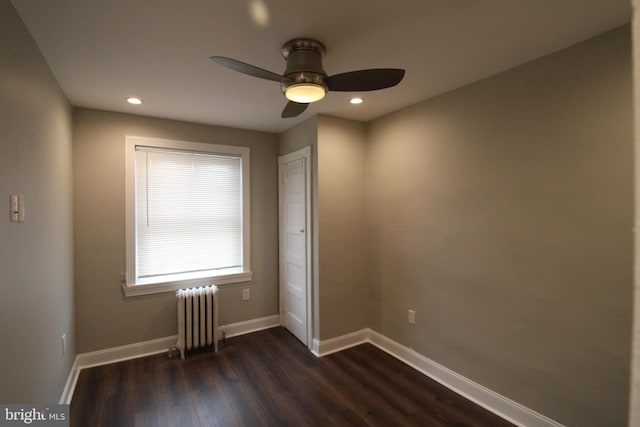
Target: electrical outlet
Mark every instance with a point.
(13, 207)
(246, 296)
(16, 206)
(21, 213)
(412, 317)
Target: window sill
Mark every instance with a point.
(132, 290)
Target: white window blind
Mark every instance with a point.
(188, 212)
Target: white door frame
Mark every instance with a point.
(634, 406)
(304, 153)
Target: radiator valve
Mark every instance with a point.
(172, 349)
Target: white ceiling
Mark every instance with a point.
(104, 51)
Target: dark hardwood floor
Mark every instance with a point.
(268, 378)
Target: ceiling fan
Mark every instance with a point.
(304, 81)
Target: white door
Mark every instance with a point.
(294, 243)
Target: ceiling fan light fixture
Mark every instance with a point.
(305, 93)
(304, 80)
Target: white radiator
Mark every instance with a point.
(197, 318)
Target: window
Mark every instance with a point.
(187, 214)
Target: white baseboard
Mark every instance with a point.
(148, 348)
(248, 326)
(70, 386)
(488, 399)
(125, 352)
(333, 345)
(112, 355)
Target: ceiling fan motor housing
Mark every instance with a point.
(304, 63)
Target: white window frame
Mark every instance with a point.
(130, 287)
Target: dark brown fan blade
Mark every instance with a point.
(365, 80)
(246, 68)
(293, 109)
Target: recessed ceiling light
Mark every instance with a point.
(135, 101)
(356, 101)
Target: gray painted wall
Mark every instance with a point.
(105, 318)
(36, 257)
(300, 136)
(502, 213)
(343, 291)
